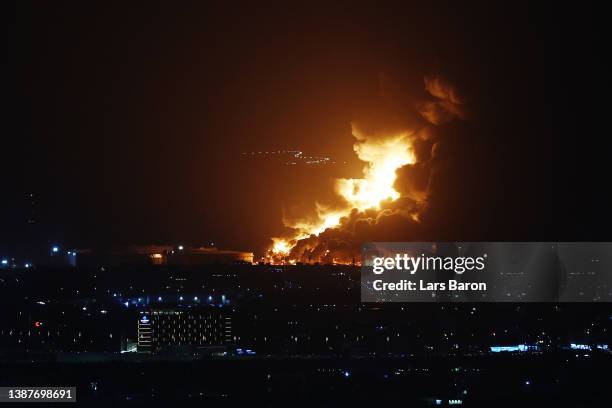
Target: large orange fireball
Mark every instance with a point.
(383, 154)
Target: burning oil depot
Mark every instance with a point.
(403, 155)
(184, 330)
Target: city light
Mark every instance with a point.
(517, 348)
(55, 249)
(5, 262)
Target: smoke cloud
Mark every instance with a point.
(389, 202)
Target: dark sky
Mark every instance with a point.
(129, 119)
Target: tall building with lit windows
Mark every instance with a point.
(162, 330)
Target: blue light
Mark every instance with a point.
(347, 374)
(498, 349)
(180, 298)
(27, 265)
(520, 348)
(55, 249)
(126, 304)
(195, 298)
(210, 298)
(527, 382)
(5, 262)
(159, 298)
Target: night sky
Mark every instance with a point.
(129, 120)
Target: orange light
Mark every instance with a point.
(383, 155)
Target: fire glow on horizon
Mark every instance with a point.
(368, 203)
(383, 155)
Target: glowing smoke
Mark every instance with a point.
(375, 201)
(383, 155)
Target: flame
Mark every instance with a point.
(383, 159)
(281, 246)
(325, 219)
(383, 154)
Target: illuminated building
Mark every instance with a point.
(144, 334)
(172, 329)
(208, 255)
(158, 255)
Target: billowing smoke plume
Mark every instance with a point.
(387, 203)
(447, 106)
